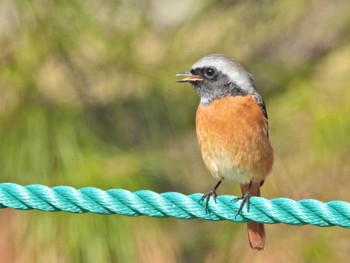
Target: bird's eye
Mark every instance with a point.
(210, 72)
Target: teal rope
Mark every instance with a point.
(123, 202)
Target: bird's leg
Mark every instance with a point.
(211, 193)
(245, 198)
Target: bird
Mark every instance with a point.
(232, 130)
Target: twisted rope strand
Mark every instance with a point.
(123, 202)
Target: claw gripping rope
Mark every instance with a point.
(170, 204)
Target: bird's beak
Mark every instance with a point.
(189, 77)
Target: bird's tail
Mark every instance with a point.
(256, 231)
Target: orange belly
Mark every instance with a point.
(232, 135)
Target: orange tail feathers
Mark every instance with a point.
(256, 231)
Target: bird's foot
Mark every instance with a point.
(207, 197)
(245, 200)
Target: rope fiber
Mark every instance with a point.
(171, 204)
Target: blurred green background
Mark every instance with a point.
(89, 98)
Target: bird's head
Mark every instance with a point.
(216, 76)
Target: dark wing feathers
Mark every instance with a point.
(261, 104)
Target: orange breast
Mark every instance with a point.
(232, 135)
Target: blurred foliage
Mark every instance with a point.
(89, 98)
